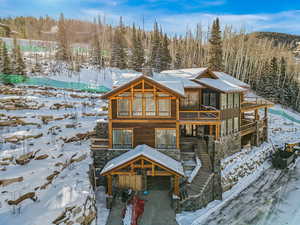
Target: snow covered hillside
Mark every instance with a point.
(44, 155)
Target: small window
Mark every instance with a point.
(122, 138)
(165, 138)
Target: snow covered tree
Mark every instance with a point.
(215, 54)
(137, 51)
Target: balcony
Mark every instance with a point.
(202, 115)
(248, 126)
(253, 103)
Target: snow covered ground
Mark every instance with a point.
(60, 181)
(260, 195)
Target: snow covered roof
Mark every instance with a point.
(148, 152)
(231, 79)
(186, 82)
(175, 87)
(189, 73)
(222, 85)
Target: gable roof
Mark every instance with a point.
(148, 152)
(221, 85)
(190, 73)
(174, 87)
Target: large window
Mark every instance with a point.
(124, 105)
(164, 105)
(205, 98)
(210, 99)
(230, 100)
(137, 107)
(229, 126)
(122, 138)
(236, 124)
(150, 104)
(236, 100)
(144, 104)
(191, 99)
(223, 128)
(165, 138)
(223, 101)
(213, 100)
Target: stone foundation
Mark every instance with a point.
(229, 145)
(199, 201)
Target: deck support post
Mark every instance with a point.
(176, 185)
(109, 185)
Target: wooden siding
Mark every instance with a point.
(144, 133)
(133, 182)
(230, 113)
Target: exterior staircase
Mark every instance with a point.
(198, 183)
(100, 141)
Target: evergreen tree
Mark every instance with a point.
(165, 54)
(63, 48)
(178, 58)
(155, 56)
(118, 48)
(96, 54)
(215, 61)
(6, 61)
(20, 67)
(1, 56)
(137, 52)
(274, 67)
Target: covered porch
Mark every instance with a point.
(141, 169)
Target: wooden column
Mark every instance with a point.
(109, 185)
(210, 130)
(266, 112)
(256, 114)
(177, 125)
(217, 132)
(110, 123)
(176, 185)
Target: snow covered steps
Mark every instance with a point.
(99, 143)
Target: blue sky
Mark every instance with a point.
(176, 16)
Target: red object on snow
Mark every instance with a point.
(138, 209)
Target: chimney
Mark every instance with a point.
(147, 71)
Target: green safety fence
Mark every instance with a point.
(284, 114)
(40, 81)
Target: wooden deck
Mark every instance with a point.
(255, 103)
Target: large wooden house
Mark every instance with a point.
(162, 127)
